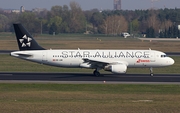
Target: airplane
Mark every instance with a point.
(115, 61)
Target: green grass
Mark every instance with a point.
(94, 88)
(74, 41)
(89, 98)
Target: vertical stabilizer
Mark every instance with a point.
(24, 39)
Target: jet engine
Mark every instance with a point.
(116, 68)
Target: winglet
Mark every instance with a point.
(25, 40)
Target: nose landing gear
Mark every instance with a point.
(151, 72)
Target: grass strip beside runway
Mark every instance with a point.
(89, 98)
(75, 41)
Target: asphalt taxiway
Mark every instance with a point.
(88, 78)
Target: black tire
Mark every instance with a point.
(96, 73)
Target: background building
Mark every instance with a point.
(117, 4)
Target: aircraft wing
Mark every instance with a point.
(95, 60)
(99, 63)
(96, 63)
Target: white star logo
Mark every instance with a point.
(25, 41)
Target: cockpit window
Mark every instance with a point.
(162, 56)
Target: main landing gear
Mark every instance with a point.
(151, 72)
(97, 73)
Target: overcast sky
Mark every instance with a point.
(88, 4)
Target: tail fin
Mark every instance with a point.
(24, 39)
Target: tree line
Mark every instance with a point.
(72, 19)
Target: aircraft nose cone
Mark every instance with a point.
(171, 61)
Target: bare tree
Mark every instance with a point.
(3, 22)
(114, 25)
(166, 24)
(77, 22)
(153, 22)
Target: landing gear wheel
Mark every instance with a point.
(96, 73)
(151, 72)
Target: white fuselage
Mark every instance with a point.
(76, 58)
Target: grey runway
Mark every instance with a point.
(6, 51)
(88, 77)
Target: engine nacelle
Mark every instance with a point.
(116, 68)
